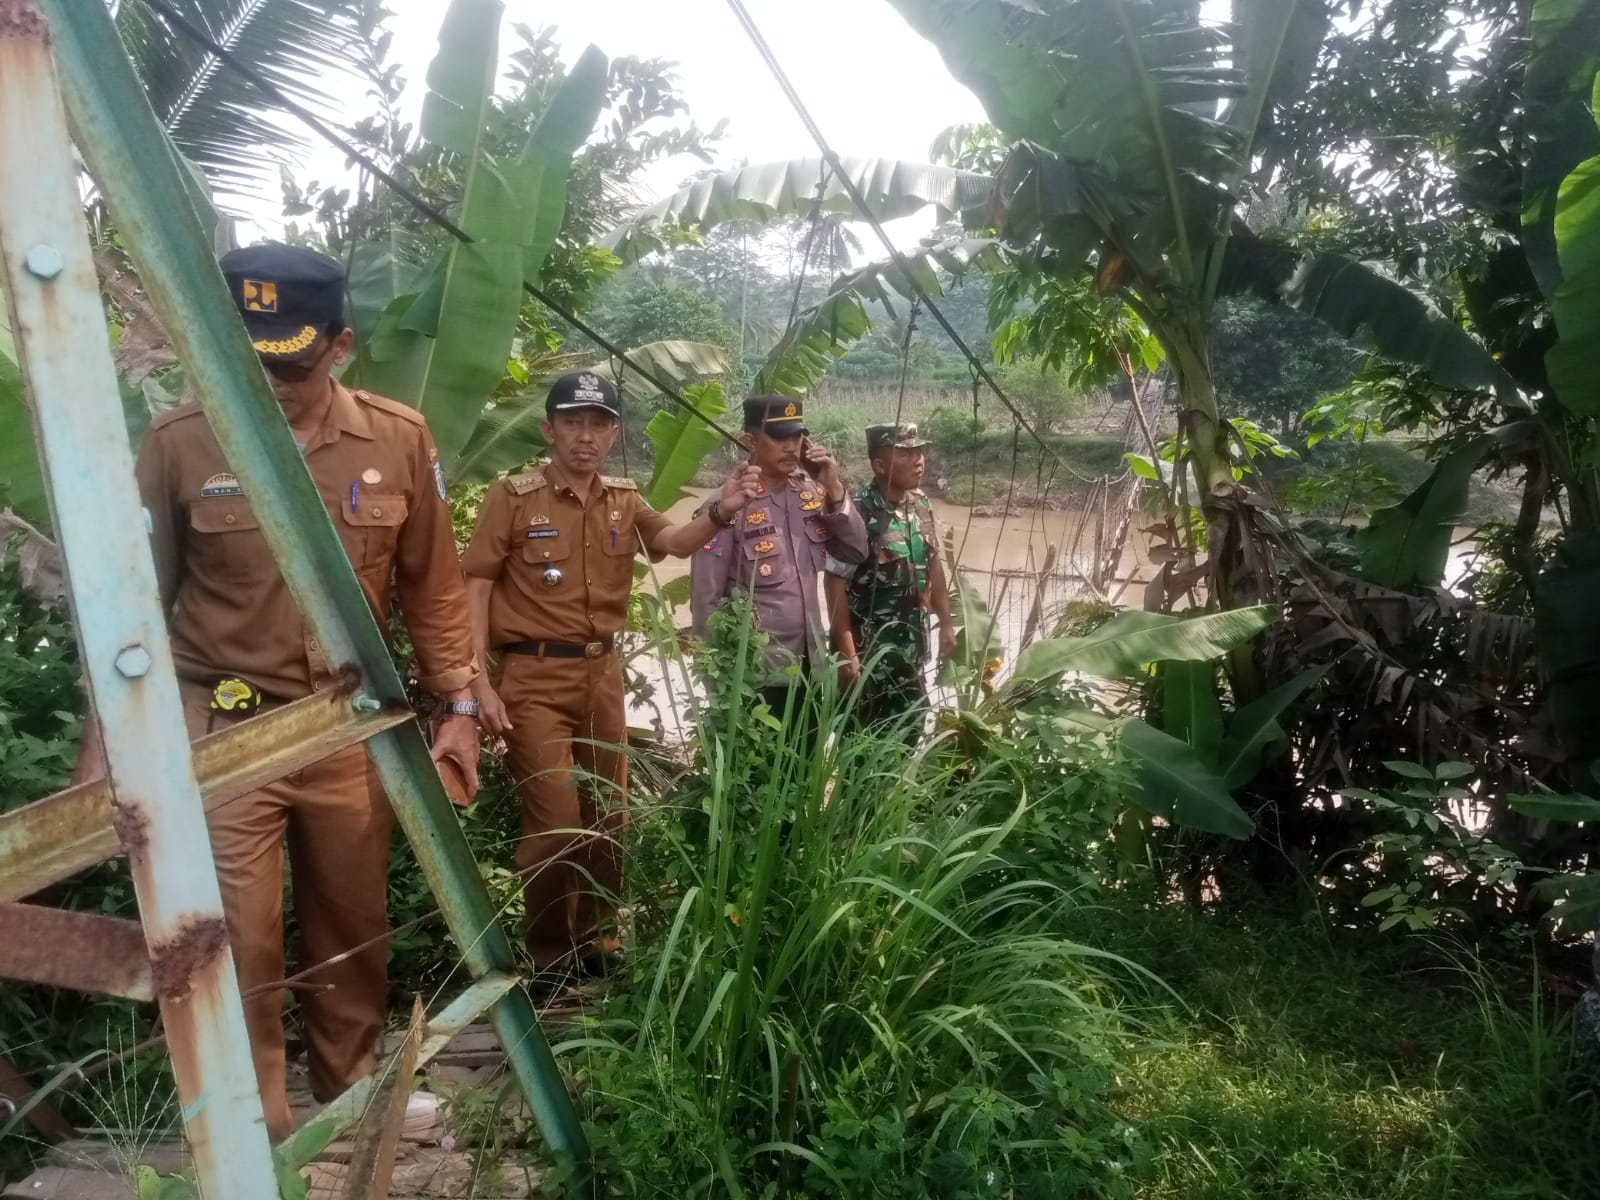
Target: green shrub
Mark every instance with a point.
(841, 984)
(953, 430)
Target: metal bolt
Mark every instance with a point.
(366, 704)
(133, 662)
(44, 261)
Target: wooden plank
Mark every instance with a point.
(68, 1183)
(378, 1134)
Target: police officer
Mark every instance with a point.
(549, 570)
(240, 646)
(773, 546)
(878, 609)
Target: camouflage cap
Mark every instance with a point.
(898, 437)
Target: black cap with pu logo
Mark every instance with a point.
(287, 295)
(775, 416)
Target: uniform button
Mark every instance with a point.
(229, 519)
(547, 554)
(318, 686)
(377, 512)
(586, 545)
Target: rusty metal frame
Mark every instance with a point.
(65, 354)
(153, 805)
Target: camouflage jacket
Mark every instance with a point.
(888, 593)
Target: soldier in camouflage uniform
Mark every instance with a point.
(878, 609)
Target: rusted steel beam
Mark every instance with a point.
(78, 950)
(65, 354)
(48, 841)
(125, 149)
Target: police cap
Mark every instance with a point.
(775, 416)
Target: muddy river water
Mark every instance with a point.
(1000, 556)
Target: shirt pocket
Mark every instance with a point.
(225, 541)
(619, 544)
(371, 532)
(545, 545)
(817, 535)
(767, 562)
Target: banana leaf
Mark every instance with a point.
(1576, 302)
(681, 442)
(1408, 543)
(1130, 640)
(1176, 784)
(1541, 807)
(1559, 126)
(1190, 711)
(1254, 727)
(766, 191)
(677, 361)
(825, 332)
(444, 349)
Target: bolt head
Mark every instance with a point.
(134, 662)
(44, 262)
(366, 704)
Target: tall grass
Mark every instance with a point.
(841, 985)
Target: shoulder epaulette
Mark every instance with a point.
(619, 481)
(392, 407)
(526, 482)
(176, 413)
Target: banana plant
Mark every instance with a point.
(1188, 782)
(1133, 127)
(507, 436)
(443, 347)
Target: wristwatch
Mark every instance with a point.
(714, 511)
(462, 708)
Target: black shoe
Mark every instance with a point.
(547, 985)
(602, 964)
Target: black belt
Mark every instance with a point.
(562, 649)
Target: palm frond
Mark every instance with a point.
(218, 119)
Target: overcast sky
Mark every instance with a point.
(871, 83)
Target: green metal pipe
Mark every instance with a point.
(130, 157)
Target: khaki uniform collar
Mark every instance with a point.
(562, 482)
(345, 415)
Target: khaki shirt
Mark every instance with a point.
(230, 612)
(562, 568)
(775, 549)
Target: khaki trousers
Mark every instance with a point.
(573, 803)
(334, 821)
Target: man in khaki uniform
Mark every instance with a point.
(549, 570)
(240, 645)
(774, 545)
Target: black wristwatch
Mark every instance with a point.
(461, 708)
(714, 511)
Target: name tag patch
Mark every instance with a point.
(544, 533)
(221, 485)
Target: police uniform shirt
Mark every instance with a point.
(231, 613)
(775, 548)
(562, 568)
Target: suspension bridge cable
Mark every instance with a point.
(860, 201)
(422, 207)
